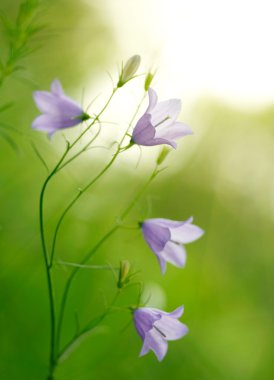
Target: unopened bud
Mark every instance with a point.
(123, 273)
(129, 70)
(163, 154)
(148, 80)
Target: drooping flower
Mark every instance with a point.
(158, 125)
(166, 238)
(58, 110)
(156, 327)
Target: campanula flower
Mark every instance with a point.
(158, 125)
(58, 110)
(166, 238)
(156, 327)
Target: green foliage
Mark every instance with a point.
(221, 176)
(20, 35)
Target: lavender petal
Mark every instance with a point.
(156, 343)
(171, 328)
(174, 254)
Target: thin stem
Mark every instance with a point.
(74, 200)
(94, 120)
(83, 266)
(97, 246)
(47, 267)
(93, 251)
(94, 180)
(48, 260)
(139, 194)
(81, 151)
(70, 279)
(85, 331)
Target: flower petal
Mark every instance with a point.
(69, 108)
(145, 349)
(63, 106)
(56, 88)
(177, 313)
(144, 317)
(160, 142)
(174, 254)
(162, 263)
(186, 233)
(171, 328)
(45, 102)
(51, 123)
(44, 123)
(173, 131)
(153, 98)
(156, 342)
(143, 132)
(168, 223)
(155, 235)
(168, 109)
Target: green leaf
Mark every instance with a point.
(6, 106)
(9, 140)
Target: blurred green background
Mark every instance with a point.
(222, 175)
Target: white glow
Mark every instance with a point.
(215, 47)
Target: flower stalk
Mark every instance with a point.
(165, 237)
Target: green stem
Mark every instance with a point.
(85, 331)
(74, 200)
(94, 180)
(82, 150)
(46, 263)
(93, 251)
(139, 194)
(48, 260)
(74, 272)
(87, 129)
(83, 266)
(69, 282)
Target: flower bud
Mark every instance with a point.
(123, 273)
(148, 80)
(129, 70)
(162, 156)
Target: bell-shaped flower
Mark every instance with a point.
(58, 110)
(156, 328)
(166, 238)
(158, 125)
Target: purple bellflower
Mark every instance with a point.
(158, 125)
(156, 327)
(58, 110)
(166, 238)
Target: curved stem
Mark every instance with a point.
(139, 194)
(49, 282)
(46, 263)
(88, 128)
(70, 279)
(60, 220)
(69, 206)
(93, 251)
(48, 260)
(89, 254)
(86, 330)
(82, 150)
(83, 266)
